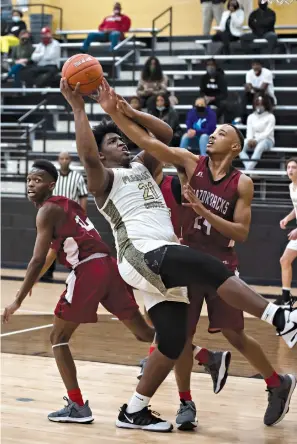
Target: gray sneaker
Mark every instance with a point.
(279, 400)
(73, 413)
(186, 416)
(142, 366)
(217, 367)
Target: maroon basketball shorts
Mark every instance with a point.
(93, 282)
(220, 314)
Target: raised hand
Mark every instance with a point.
(73, 97)
(124, 107)
(107, 97)
(193, 201)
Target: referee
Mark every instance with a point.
(70, 183)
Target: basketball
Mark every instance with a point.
(84, 69)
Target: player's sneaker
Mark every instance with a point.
(142, 365)
(145, 419)
(73, 413)
(289, 333)
(285, 302)
(186, 416)
(279, 400)
(218, 366)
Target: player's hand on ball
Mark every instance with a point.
(9, 311)
(193, 200)
(107, 97)
(124, 107)
(283, 223)
(73, 97)
(293, 235)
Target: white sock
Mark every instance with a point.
(269, 313)
(137, 403)
(286, 288)
(196, 351)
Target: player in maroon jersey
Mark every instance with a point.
(65, 232)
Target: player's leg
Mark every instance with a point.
(280, 387)
(76, 410)
(286, 261)
(181, 266)
(170, 322)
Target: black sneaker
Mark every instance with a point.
(279, 400)
(145, 419)
(217, 367)
(287, 302)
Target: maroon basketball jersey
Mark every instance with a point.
(76, 239)
(175, 209)
(220, 198)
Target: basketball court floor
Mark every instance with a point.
(107, 356)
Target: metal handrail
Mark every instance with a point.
(36, 107)
(123, 42)
(30, 5)
(117, 63)
(155, 32)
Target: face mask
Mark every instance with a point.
(211, 70)
(152, 68)
(200, 109)
(16, 19)
(260, 109)
(160, 108)
(46, 40)
(116, 11)
(263, 6)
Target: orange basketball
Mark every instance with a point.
(84, 69)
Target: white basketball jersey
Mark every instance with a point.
(293, 194)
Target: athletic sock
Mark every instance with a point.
(186, 396)
(274, 315)
(286, 294)
(201, 355)
(152, 348)
(273, 381)
(75, 396)
(137, 403)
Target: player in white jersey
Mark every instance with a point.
(149, 256)
(290, 253)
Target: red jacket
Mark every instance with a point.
(120, 23)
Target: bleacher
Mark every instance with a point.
(38, 123)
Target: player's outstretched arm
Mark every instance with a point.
(45, 223)
(98, 176)
(239, 228)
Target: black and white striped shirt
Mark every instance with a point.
(72, 186)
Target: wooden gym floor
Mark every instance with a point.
(106, 356)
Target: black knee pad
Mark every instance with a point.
(170, 321)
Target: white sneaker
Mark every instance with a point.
(289, 333)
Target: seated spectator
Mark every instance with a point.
(201, 122)
(164, 111)
(213, 87)
(21, 55)
(231, 26)
(152, 82)
(12, 32)
(259, 132)
(135, 102)
(211, 9)
(111, 29)
(258, 81)
(261, 22)
(46, 58)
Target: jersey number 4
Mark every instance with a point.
(202, 224)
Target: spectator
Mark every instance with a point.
(259, 132)
(12, 32)
(261, 22)
(201, 122)
(111, 29)
(135, 102)
(231, 26)
(211, 9)
(213, 87)
(258, 81)
(21, 55)
(152, 83)
(46, 58)
(163, 110)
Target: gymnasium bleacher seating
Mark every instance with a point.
(38, 123)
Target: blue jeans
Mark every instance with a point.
(262, 145)
(15, 72)
(196, 144)
(114, 37)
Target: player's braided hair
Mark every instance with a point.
(45, 165)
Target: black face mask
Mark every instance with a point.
(200, 109)
(263, 6)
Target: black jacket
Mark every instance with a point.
(15, 28)
(262, 21)
(214, 85)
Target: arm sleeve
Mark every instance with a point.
(189, 120)
(251, 22)
(176, 189)
(269, 129)
(81, 186)
(53, 56)
(38, 53)
(237, 17)
(267, 78)
(126, 24)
